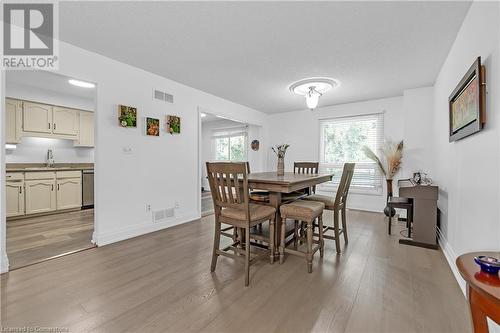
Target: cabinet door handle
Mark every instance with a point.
(58, 187)
(49, 125)
(20, 189)
(52, 187)
(54, 125)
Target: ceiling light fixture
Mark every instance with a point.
(81, 84)
(313, 88)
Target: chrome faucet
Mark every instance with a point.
(50, 159)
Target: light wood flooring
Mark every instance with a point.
(161, 282)
(34, 239)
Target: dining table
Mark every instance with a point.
(277, 185)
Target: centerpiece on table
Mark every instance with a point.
(280, 151)
(393, 154)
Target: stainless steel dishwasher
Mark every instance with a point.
(87, 189)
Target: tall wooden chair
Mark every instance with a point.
(337, 205)
(309, 168)
(229, 187)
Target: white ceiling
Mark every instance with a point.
(48, 81)
(249, 52)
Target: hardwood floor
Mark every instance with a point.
(34, 239)
(161, 282)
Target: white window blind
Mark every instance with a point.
(230, 144)
(341, 141)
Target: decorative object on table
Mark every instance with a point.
(173, 124)
(417, 178)
(152, 126)
(488, 264)
(467, 111)
(127, 116)
(280, 151)
(393, 153)
(255, 145)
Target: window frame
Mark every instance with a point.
(238, 132)
(331, 186)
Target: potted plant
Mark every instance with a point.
(393, 154)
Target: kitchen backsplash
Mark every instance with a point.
(34, 150)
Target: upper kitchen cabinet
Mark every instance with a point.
(13, 120)
(85, 130)
(65, 121)
(37, 118)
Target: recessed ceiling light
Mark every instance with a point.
(81, 84)
(10, 146)
(313, 88)
(203, 115)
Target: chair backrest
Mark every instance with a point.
(229, 185)
(248, 166)
(345, 184)
(306, 167)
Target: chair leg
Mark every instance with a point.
(320, 232)
(390, 221)
(336, 229)
(309, 246)
(409, 220)
(295, 234)
(344, 226)
(282, 239)
(247, 256)
(271, 239)
(216, 246)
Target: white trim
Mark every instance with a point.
(450, 256)
(4, 263)
(143, 228)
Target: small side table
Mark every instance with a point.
(483, 290)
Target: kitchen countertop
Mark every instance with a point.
(33, 167)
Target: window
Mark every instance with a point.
(230, 144)
(341, 141)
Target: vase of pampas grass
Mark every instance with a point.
(393, 154)
(280, 151)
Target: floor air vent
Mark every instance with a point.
(162, 214)
(163, 96)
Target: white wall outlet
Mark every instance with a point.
(177, 204)
(127, 150)
(148, 207)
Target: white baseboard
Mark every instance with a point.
(4, 263)
(450, 256)
(141, 229)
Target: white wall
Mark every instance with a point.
(4, 261)
(34, 150)
(467, 171)
(300, 129)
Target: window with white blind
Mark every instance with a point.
(341, 141)
(230, 144)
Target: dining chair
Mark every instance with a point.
(301, 168)
(337, 205)
(402, 203)
(260, 196)
(306, 212)
(229, 186)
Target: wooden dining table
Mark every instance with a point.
(288, 183)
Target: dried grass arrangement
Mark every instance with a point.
(393, 154)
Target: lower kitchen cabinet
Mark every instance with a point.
(69, 193)
(40, 196)
(14, 195)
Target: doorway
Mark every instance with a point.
(225, 140)
(49, 163)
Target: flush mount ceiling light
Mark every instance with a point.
(81, 84)
(313, 88)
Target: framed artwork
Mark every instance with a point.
(173, 124)
(127, 116)
(467, 104)
(152, 126)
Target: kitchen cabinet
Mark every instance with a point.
(37, 118)
(14, 194)
(69, 189)
(40, 188)
(85, 130)
(13, 120)
(64, 121)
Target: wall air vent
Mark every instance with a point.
(163, 96)
(162, 214)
